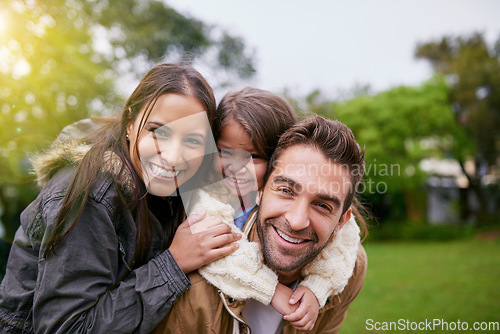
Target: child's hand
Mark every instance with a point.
(281, 299)
(199, 241)
(306, 314)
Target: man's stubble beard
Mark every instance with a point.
(305, 257)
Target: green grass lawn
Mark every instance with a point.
(449, 281)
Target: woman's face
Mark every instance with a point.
(242, 165)
(171, 144)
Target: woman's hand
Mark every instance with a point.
(199, 241)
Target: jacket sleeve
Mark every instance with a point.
(242, 274)
(330, 271)
(74, 290)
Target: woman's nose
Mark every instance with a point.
(171, 152)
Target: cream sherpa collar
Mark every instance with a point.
(329, 272)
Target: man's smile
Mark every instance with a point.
(286, 240)
(289, 238)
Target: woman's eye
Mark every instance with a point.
(160, 133)
(194, 141)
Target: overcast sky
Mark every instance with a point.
(334, 45)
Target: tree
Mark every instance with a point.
(472, 70)
(63, 60)
(398, 128)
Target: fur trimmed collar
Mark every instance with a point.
(58, 156)
(69, 152)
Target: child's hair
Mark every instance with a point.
(111, 137)
(263, 115)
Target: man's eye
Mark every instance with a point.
(285, 190)
(324, 207)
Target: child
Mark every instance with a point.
(247, 128)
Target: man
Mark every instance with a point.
(310, 183)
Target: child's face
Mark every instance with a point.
(242, 165)
(171, 144)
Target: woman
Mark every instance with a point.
(104, 247)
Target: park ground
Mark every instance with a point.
(414, 282)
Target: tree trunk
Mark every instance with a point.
(415, 205)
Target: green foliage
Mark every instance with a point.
(231, 55)
(398, 128)
(149, 28)
(417, 231)
(455, 114)
(61, 62)
(472, 69)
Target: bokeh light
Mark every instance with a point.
(3, 26)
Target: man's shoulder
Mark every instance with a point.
(197, 280)
(199, 309)
(361, 261)
(359, 273)
(355, 283)
(200, 294)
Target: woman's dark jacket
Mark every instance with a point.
(87, 285)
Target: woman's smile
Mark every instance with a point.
(161, 172)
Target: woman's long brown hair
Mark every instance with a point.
(111, 139)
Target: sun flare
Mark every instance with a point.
(3, 24)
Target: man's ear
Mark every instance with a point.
(259, 196)
(343, 220)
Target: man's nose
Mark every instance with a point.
(298, 215)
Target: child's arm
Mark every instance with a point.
(299, 307)
(281, 300)
(305, 316)
(330, 271)
(242, 274)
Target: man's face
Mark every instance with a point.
(301, 208)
